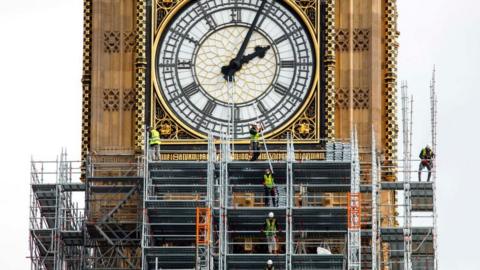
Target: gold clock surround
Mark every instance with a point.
(299, 119)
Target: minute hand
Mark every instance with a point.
(238, 58)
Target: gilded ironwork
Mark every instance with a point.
(86, 79)
(140, 75)
(305, 126)
(163, 8)
(330, 69)
(309, 8)
(168, 127)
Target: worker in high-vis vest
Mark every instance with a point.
(269, 265)
(154, 144)
(270, 189)
(255, 130)
(426, 156)
(270, 229)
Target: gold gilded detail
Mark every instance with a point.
(86, 80)
(140, 74)
(330, 70)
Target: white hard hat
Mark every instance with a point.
(271, 215)
(428, 146)
(269, 262)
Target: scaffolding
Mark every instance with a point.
(56, 221)
(208, 212)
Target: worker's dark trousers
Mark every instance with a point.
(423, 165)
(270, 194)
(255, 151)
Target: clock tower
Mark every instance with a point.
(315, 69)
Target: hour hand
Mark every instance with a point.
(259, 52)
(234, 65)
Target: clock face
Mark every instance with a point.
(276, 74)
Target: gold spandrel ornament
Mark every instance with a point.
(305, 127)
(309, 8)
(163, 8)
(169, 128)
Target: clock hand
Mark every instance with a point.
(249, 33)
(259, 52)
(236, 64)
(229, 70)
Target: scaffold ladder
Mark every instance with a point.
(203, 233)
(354, 209)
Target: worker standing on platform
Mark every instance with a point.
(270, 265)
(270, 228)
(426, 156)
(154, 143)
(270, 189)
(255, 130)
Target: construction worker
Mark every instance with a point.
(426, 156)
(270, 265)
(270, 228)
(154, 143)
(269, 188)
(255, 130)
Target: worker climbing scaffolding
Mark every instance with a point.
(270, 229)
(270, 189)
(154, 143)
(269, 265)
(426, 156)
(255, 132)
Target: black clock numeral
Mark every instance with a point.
(208, 17)
(280, 39)
(209, 107)
(236, 15)
(282, 90)
(288, 64)
(191, 89)
(261, 107)
(184, 64)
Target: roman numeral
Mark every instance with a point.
(184, 64)
(190, 89)
(280, 39)
(288, 64)
(282, 90)
(209, 107)
(261, 107)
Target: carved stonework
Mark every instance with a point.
(361, 98)
(111, 100)
(128, 41)
(361, 39)
(342, 98)
(128, 99)
(169, 128)
(111, 41)
(309, 8)
(342, 37)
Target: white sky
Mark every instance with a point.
(40, 71)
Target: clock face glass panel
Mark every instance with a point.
(205, 36)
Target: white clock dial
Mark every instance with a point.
(274, 80)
